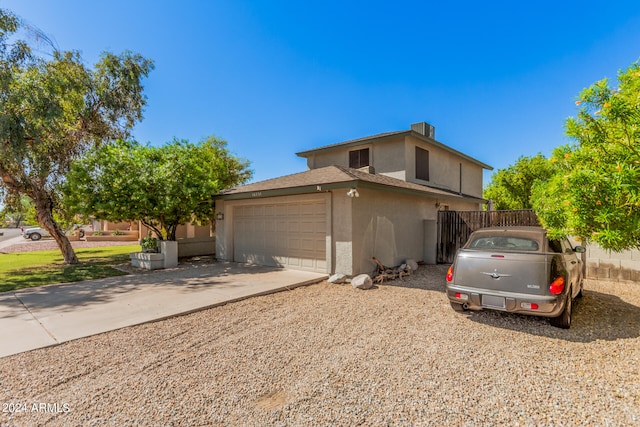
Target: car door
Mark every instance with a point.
(573, 264)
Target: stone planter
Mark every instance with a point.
(167, 258)
(148, 261)
(169, 249)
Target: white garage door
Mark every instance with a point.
(281, 234)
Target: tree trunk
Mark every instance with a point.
(44, 212)
(150, 225)
(171, 231)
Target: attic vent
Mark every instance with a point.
(424, 128)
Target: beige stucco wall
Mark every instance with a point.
(391, 227)
(388, 226)
(446, 169)
(386, 157)
(341, 232)
(396, 157)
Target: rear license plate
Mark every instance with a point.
(493, 302)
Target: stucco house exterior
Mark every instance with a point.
(374, 196)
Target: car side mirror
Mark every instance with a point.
(580, 249)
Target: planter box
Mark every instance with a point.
(148, 261)
(167, 258)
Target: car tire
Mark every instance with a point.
(564, 320)
(457, 307)
(35, 236)
(81, 234)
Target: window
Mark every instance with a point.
(359, 158)
(422, 164)
(508, 243)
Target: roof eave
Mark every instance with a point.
(356, 183)
(354, 143)
(288, 191)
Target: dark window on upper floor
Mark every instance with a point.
(422, 164)
(359, 158)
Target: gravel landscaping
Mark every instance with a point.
(333, 355)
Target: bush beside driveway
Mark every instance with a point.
(332, 355)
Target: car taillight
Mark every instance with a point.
(461, 296)
(557, 286)
(450, 274)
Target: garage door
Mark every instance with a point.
(290, 235)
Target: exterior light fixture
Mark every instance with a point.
(353, 193)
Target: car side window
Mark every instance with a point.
(567, 248)
(555, 246)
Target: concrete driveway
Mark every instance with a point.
(50, 315)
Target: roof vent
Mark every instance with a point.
(424, 128)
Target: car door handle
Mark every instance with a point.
(573, 262)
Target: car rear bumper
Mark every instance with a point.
(484, 299)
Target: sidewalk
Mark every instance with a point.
(50, 315)
(12, 241)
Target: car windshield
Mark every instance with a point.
(510, 243)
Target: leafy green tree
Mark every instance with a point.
(18, 211)
(161, 186)
(52, 110)
(511, 188)
(595, 192)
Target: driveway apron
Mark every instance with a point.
(49, 315)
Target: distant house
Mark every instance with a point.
(193, 240)
(374, 196)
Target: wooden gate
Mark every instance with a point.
(454, 227)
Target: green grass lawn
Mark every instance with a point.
(30, 269)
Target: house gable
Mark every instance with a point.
(394, 154)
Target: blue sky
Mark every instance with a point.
(496, 79)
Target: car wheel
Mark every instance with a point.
(35, 236)
(81, 233)
(457, 307)
(564, 320)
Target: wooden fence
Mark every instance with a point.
(454, 227)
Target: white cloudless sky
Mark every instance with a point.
(496, 79)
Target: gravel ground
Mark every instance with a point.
(333, 355)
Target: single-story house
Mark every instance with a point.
(374, 196)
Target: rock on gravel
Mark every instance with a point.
(362, 281)
(329, 354)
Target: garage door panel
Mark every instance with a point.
(294, 227)
(290, 235)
